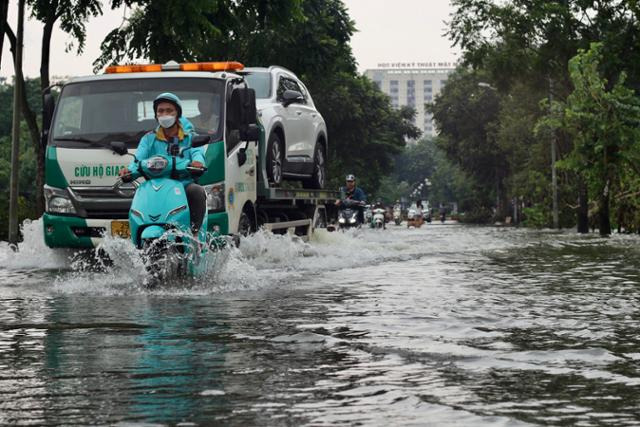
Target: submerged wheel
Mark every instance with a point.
(245, 226)
(275, 160)
(319, 177)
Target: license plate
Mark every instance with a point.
(120, 229)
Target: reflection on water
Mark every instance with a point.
(448, 325)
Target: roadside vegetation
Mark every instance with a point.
(537, 75)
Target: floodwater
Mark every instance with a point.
(447, 325)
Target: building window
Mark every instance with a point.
(428, 89)
(442, 83)
(394, 89)
(428, 98)
(411, 83)
(427, 83)
(378, 84)
(393, 83)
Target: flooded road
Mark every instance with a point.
(444, 325)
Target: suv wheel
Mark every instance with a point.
(275, 156)
(319, 177)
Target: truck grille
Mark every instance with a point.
(100, 203)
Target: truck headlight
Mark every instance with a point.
(341, 220)
(57, 201)
(352, 220)
(215, 197)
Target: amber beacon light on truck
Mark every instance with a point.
(174, 66)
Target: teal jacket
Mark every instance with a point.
(154, 143)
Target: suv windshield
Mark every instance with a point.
(122, 110)
(260, 81)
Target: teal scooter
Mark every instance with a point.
(159, 217)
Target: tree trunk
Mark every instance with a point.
(4, 8)
(583, 207)
(605, 221)
(34, 132)
(47, 30)
(14, 195)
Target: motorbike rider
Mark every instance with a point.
(352, 192)
(173, 133)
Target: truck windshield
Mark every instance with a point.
(122, 110)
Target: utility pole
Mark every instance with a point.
(554, 175)
(15, 133)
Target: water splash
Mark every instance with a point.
(33, 253)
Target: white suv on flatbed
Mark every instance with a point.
(295, 131)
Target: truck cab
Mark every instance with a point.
(91, 112)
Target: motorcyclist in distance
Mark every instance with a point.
(352, 192)
(172, 134)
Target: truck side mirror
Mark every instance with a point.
(48, 106)
(119, 147)
(200, 140)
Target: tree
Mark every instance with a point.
(72, 16)
(524, 46)
(605, 122)
(466, 114)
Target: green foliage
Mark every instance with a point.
(535, 217)
(391, 190)
(71, 15)
(525, 49)
(26, 202)
(424, 160)
(466, 112)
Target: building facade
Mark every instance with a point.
(413, 85)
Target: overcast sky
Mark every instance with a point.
(388, 31)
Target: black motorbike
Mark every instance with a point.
(349, 214)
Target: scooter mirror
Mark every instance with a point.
(200, 140)
(119, 147)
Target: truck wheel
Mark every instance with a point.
(244, 225)
(319, 177)
(275, 157)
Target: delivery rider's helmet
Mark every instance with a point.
(170, 98)
(351, 177)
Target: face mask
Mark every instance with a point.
(166, 121)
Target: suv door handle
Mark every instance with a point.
(299, 113)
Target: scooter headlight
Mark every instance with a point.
(157, 164)
(341, 220)
(352, 220)
(57, 201)
(215, 197)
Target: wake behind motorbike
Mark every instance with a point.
(348, 214)
(159, 218)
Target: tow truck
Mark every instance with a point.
(82, 205)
